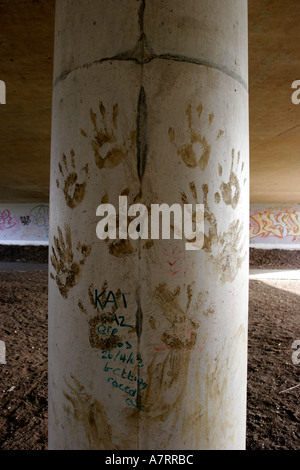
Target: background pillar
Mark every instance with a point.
(150, 101)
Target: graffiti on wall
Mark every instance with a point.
(24, 223)
(6, 221)
(282, 223)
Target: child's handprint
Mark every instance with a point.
(231, 191)
(74, 192)
(182, 330)
(64, 262)
(187, 151)
(110, 146)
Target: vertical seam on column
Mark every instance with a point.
(141, 148)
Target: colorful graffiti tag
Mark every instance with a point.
(24, 224)
(275, 222)
(6, 221)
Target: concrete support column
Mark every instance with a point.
(148, 339)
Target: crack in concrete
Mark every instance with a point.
(141, 138)
(142, 54)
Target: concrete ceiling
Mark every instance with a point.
(274, 64)
(26, 59)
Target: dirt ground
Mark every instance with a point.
(273, 416)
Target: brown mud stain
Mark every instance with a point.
(205, 304)
(109, 152)
(67, 262)
(185, 199)
(105, 342)
(218, 382)
(224, 249)
(166, 397)
(90, 414)
(181, 333)
(214, 416)
(165, 394)
(168, 375)
(152, 323)
(98, 336)
(121, 248)
(229, 258)
(124, 248)
(187, 151)
(209, 311)
(231, 191)
(217, 198)
(74, 192)
(148, 245)
(211, 238)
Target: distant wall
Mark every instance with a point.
(275, 226)
(24, 224)
(271, 226)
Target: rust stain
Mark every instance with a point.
(110, 149)
(74, 192)
(67, 262)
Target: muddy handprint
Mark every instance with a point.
(231, 191)
(73, 190)
(91, 415)
(66, 261)
(109, 144)
(188, 152)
